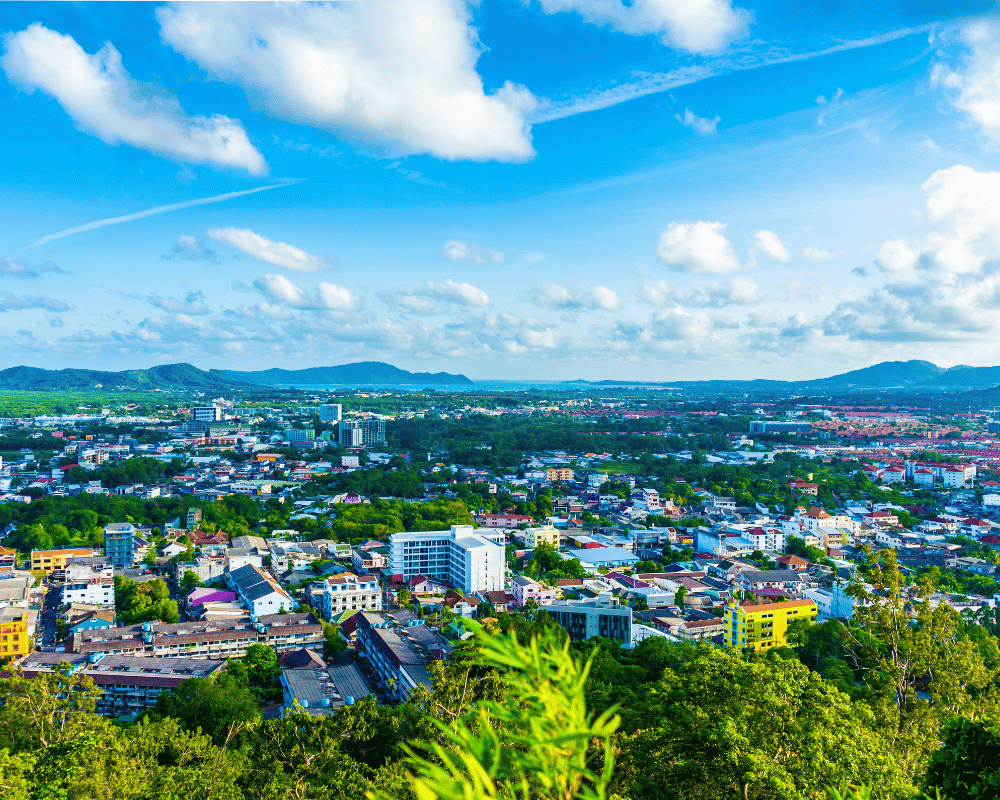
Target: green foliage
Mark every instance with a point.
(144, 602)
(549, 566)
(213, 705)
(967, 767)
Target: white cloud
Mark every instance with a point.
(464, 293)
(17, 302)
(399, 77)
(698, 26)
(816, 254)
(660, 293)
(105, 101)
(192, 305)
(973, 85)
(896, 256)
(700, 124)
(559, 296)
(697, 247)
(769, 242)
(423, 300)
(21, 269)
(328, 296)
(269, 251)
(736, 292)
(190, 248)
(470, 253)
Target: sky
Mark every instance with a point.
(546, 190)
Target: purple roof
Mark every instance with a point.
(206, 594)
(632, 583)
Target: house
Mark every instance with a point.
(548, 534)
(778, 580)
(204, 594)
(792, 562)
(368, 559)
(525, 589)
(506, 521)
(501, 601)
(346, 592)
(259, 592)
(804, 487)
(90, 621)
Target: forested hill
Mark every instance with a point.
(165, 376)
(367, 372)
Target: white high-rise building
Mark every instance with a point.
(471, 560)
(330, 412)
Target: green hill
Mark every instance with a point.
(165, 376)
(363, 372)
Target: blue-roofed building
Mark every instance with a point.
(259, 592)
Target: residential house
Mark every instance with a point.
(525, 589)
(259, 592)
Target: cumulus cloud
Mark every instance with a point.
(735, 292)
(700, 124)
(398, 77)
(191, 248)
(972, 83)
(464, 293)
(816, 254)
(697, 247)
(944, 288)
(559, 296)
(327, 296)
(769, 242)
(192, 305)
(279, 254)
(17, 302)
(470, 253)
(698, 26)
(21, 269)
(105, 101)
(424, 300)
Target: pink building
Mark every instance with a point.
(502, 520)
(525, 589)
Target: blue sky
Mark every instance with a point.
(557, 189)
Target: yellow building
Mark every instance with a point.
(761, 627)
(563, 474)
(45, 561)
(15, 636)
(548, 534)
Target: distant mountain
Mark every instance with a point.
(363, 372)
(910, 375)
(165, 376)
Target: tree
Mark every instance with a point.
(263, 675)
(967, 767)
(679, 596)
(190, 581)
(46, 709)
(212, 705)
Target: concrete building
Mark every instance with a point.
(526, 589)
(364, 432)
(330, 412)
(319, 690)
(761, 627)
(345, 592)
(206, 414)
(549, 534)
(298, 435)
(220, 638)
(399, 653)
(119, 544)
(583, 619)
(89, 583)
(45, 562)
(17, 626)
(128, 684)
(470, 560)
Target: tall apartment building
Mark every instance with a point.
(470, 560)
(561, 474)
(583, 619)
(207, 414)
(761, 627)
(299, 435)
(330, 412)
(119, 544)
(16, 626)
(346, 592)
(361, 432)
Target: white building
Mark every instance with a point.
(346, 592)
(259, 592)
(87, 583)
(471, 560)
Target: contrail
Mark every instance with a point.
(101, 223)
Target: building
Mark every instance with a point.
(128, 684)
(470, 560)
(17, 626)
(548, 534)
(561, 474)
(596, 557)
(259, 592)
(346, 592)
(45, 562)
(362, 432)
(206, 594)
(368, 560)
(206, 414)
(319, 690)
(89, 583)
(330, 412)
(217, 638)
(780, 427)
(15, 591)
(776, 580)
(583, 619)
(298, 435)
(505, 521)
(8, 560)
(764, 626)
(119, 544)
(399, 654)
(525, 589)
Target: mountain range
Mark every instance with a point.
(186, 376)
